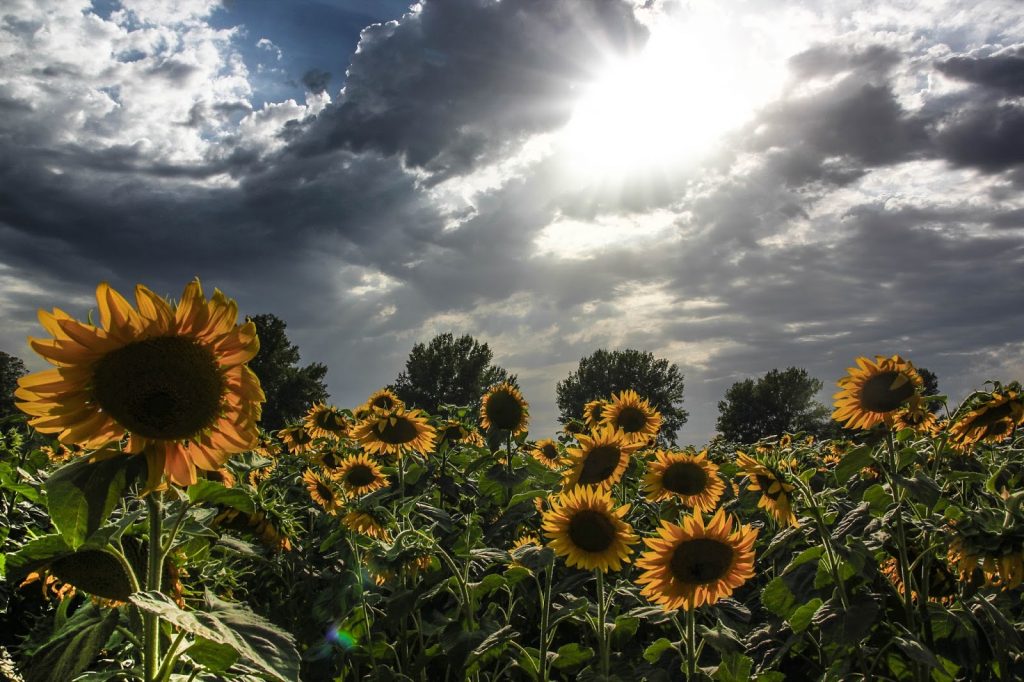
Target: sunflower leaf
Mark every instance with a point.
(852, 462)
(654, 652)
(74, 646)
(81, 495)
(213, 492)
(778, 598)
(572, 655)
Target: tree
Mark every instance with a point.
(931, 386)
(11, 369)
(605, 372)
(776, 403)
(291, 390)
(447, 371)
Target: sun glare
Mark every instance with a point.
(665, 108)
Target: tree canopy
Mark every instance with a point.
(931, 386)
(447, 370)
(11, 368)
(778, 402)
(291, 390)
(604, 372)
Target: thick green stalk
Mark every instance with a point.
(691, 643)
(602, 631)
(545, 620)
(154, 573)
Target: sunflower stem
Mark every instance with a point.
(357, 572)
(691, 643)
(602, 631)
(151, 621)
(545, 620)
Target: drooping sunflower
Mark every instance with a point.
(296, 438)
(692, 478)
(359, 475)
(456, 432)
(395, 432)
(326, 421)
(916, 415)
(691, 565)
(504, 408)
(173, 378)
(873, 391)
(584, 527)
(257, 523)
(775, 489)
(1000, 556)
(633, 415)
(601, 459)
(384, 399)
(992, 421)
(322, 491)
(546, 452)
(365, 523)
(941, 583)
(383, 569)
(593, 412)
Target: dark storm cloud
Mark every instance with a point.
(460, 81)
(316, 80)
(1003, 71)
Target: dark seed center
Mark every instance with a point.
(168, 387)
(384, 402)
(591, 531)
(360, 475)
(599, 464)
(877, 396)
(549, 451)
(504, 411)
(702, 560)
(401, 432)
(631, 419)
(684, 478)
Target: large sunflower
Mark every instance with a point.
(593, 412)
(326, 421)
(297, 438)
(504, 408)
(584, 527)
(873, 391)
(633, 415)
(546, 452)
(359, 475)
(395, 432)
(991, 421)
(693, 479)
(601, 459)
(776, 492)
(384, 399)
(693, 564)
(322, 491)
(172, 377)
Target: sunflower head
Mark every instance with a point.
(994, 545)
(873, 390)
(453, 432)
(326, 421)
(593, 412)
(600, 460)
(367, 524)
(991, 420)
(296, 438)
(172, 377)
(395, 432)
(546, 452)
(322, 491)
(691, 565)
(384, 399)
(772, 479)
(584, 527)
(916, 415)
(359, 475)
(691, 478)
(504, 408)
(633, 415)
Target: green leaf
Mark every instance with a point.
(778, 598)
(213, 492)
(809, 554)
(214, 657)
(73, 647)
(801, 618)
(846, 626)
(34, 554)
(490, 583)
(572, 655)
(922, 488)
(652, 654)
(257, 641)
(734, 668)
(877, 498)
(917, 651)
(81, 495)
(527, 496)
(625, 628)
(722, 639)
(852, 462)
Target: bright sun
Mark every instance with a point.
(666, 107)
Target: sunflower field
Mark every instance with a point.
(152, 531)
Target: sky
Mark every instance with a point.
(734, 186)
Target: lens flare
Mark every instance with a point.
(342, 638)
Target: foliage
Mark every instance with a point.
(779, 402)
(931, 387)
(11, 368)
(447, 371)
(290, 389)
(604, 372)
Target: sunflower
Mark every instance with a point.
(601, 459)
(326, 421)
(383, 399)
(693, 479)
(1001, 560)
(634, 415)
(583, 526)
(322, 491)
(592, 413)
(395, 432)
(456, 432)
(267, 446)
(916, 415)
(504, 408)
(872, 391)
(991, 422)
(297, 438)
(546, 452)
(359, 475)
(775, 490)
(258, 475)
(382, 570)
(693, 564)
(365, 524)
(941, 583)
(58, 453)
(172, 378)
(785, 441)
(256, 523)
